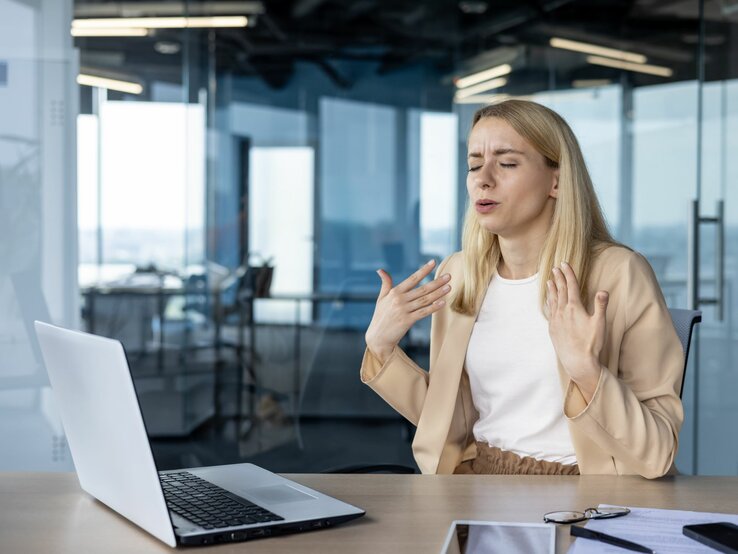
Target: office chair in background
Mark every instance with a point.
(684, 322)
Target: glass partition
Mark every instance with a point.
(236, 200)
(311, 171)
(37, 223)
(714, 378)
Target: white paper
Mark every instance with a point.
(660, 530)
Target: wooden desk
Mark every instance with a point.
(47, 512)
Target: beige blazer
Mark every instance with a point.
(631, 425)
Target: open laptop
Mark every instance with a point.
(94, 391)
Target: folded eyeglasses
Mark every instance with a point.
(589, 513)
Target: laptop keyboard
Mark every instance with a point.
(208, 505)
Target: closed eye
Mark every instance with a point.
(474, 168)
(508, 165)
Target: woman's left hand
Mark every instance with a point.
(577, 336)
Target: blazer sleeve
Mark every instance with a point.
(400, 381)
(635, 413)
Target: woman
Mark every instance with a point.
(552, 349)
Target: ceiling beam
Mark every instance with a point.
(511, 19)
(304, 8)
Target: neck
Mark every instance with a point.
(519, 255)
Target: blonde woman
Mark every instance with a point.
(552, 349)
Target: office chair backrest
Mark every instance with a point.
(684, 322)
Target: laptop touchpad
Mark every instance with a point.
(276, 494)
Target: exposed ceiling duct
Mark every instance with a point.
(450, 37)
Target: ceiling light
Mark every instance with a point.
(219, 21)
(110, 84)
(480, 76)
(166, 47)
(482, 99)
(473, 7)
(587, 48)
(589, 83)
(109, 32)
(163, 8)
(481, 87)
(659, 70)
(162, 22)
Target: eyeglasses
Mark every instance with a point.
(589, 513)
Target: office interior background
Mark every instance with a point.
(219, 197)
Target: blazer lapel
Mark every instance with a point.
(443, 388)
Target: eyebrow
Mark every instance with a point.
(497, 152)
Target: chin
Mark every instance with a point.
(490, 227)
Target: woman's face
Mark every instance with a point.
(510, 185)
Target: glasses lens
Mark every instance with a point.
(606, 513)
(563, 517)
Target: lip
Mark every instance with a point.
(484, 207)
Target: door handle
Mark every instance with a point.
(693, 258)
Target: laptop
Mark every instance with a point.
(96, 398)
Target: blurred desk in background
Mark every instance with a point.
(138, 314)
(133, 311)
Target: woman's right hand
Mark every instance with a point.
(398, 308)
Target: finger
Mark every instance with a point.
(428, 287)
(572, 286)
(551, 298)
(428, 310)
(561, 293)
(600, 306)
(416, 277)
(429, 298)
(386, 283)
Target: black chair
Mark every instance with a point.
(684, 322)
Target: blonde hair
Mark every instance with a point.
(578, 229)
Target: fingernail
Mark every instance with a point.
(431, 262)
(379, 272)
(446, 277)
(565, 264)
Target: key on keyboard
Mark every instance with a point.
(208, 505)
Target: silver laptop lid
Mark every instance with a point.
(93, 389)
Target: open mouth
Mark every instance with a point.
(485, 206)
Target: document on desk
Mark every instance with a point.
(660, 530)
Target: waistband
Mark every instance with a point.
(491, 460)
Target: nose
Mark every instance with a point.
(484, 178)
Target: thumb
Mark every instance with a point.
(601, 300)
(386, 282)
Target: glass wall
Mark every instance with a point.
(38, 251)
(237, 198)
(715, 446)
(318, 170)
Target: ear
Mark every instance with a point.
(554, 192)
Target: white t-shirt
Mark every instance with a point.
(513, 374)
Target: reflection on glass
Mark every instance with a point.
(281, 225)
(149, 158)
(438, 168)
(478, 537)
